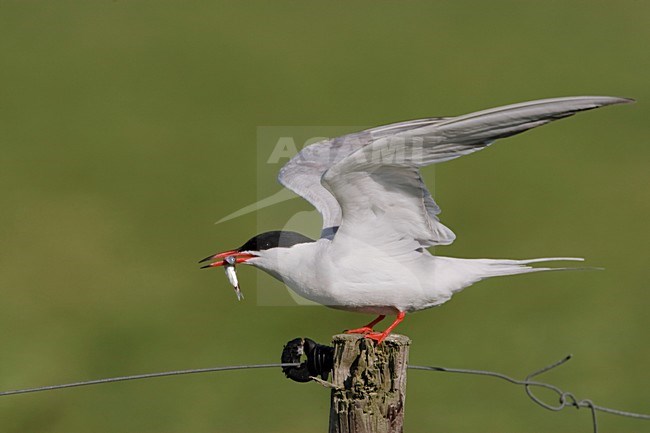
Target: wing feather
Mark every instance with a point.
(378, 186)
(302, 174)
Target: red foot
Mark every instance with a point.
(362, 330)
(377, 336)
(367, 328)
(381, 336)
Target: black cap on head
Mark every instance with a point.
(274, 239)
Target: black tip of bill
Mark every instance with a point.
(206, 259)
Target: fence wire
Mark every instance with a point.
(146, 376)
(565, 398)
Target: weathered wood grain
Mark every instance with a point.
(370, 384)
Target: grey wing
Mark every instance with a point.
(378, 186)
(302, 174)
(469, 133)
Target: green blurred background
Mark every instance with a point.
(128, 127)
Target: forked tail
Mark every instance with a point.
(456, 274)
(498, 267)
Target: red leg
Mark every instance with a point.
(367, 328)
(381, 336)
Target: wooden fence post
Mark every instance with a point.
(370, 384)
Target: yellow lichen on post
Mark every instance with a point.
(370, 384)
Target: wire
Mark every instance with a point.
(566, 399)
(146, 376)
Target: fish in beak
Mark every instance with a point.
(219, 259)
(228, 259)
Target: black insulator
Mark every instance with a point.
(319, 362)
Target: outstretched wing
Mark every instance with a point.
(378, 186)
(302, 174)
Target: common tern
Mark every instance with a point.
(379, 218)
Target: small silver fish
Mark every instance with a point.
(231, 273)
